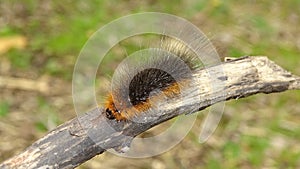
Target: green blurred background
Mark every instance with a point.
(40, 41)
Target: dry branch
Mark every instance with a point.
(68, 145)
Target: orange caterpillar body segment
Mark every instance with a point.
(127, 113)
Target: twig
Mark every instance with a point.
(68, 145)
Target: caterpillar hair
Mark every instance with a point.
(149, 77)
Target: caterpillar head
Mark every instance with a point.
(111, 111)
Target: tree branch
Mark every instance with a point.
(69, 145)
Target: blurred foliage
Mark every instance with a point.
(257, 132)
(4, 109)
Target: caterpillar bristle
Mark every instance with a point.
(181, 50)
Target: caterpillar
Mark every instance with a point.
(150, 77)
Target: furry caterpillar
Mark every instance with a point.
(158, 74)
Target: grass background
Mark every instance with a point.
(40, 41)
